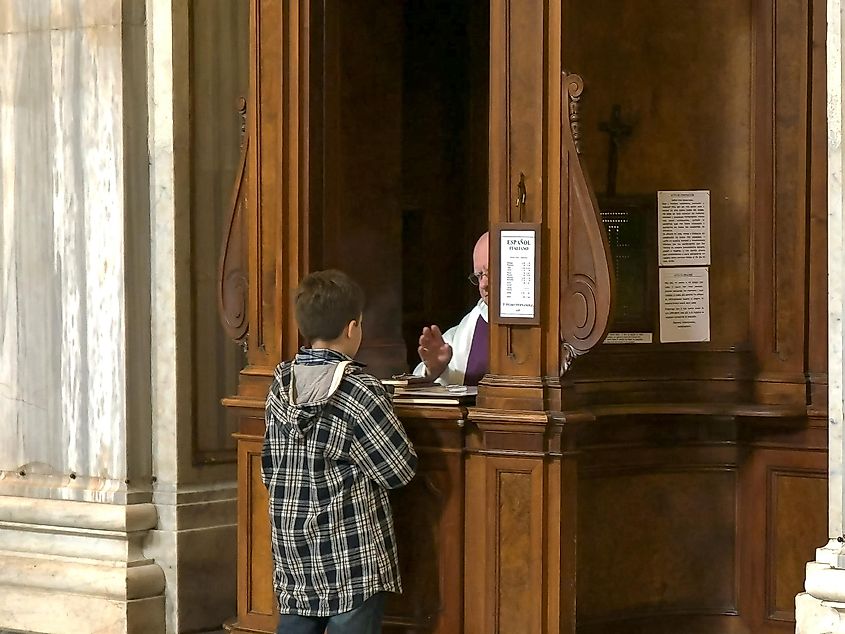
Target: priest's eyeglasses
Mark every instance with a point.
(475, 278)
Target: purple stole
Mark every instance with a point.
(478, 362)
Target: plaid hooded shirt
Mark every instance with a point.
(332, 449)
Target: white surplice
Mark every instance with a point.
(460, 338)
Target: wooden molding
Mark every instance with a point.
(232, 271)
(586, 276)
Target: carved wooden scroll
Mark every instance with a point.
(232, 271)
(587, 276)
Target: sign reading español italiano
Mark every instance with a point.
(517, 274)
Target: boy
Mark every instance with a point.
(332, 449)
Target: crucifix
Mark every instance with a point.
(616, 130)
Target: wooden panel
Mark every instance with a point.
(513, 541)
(428, 569)
(516, 108)
(278, 168)
(428, 516)
(678, 107)
(671, 624)
(559, 549)
(524, 67)
(504, 569)
(262, 600)
(654, 374)
(783, 520)
(267, 180)
(789, 260)
(658, 542)
(218, 77)
(256, 599)
(477, 568)
(774, 512)
(681, 108)
(517, 88)
(817, 273)
(797, 525)
(753, 105)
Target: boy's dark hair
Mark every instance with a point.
(325, 302)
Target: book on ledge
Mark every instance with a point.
(405, 380)
(435, 394)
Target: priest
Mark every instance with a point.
(461, 355)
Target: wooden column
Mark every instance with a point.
(521, 484)
(270, 226)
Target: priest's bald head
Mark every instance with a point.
(480, 264)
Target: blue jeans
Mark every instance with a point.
(365, 619)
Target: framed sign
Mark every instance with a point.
(516, 261)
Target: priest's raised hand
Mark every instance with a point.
(434, 351)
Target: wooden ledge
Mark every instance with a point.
(733, 410)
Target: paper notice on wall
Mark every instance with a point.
(683, 228)
(628, 337)
(684, 305)
(518, 282)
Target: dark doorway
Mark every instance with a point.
(398, 164)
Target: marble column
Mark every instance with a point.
(106, 523)
(821, 609)
(75, 416)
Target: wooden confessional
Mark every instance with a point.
(592, 488)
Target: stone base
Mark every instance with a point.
(51, 612)
(814, 616)
(821, 609)
(195, 543)
(78, 567)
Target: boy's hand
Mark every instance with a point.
(434, 352)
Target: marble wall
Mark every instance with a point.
(64, 409)
(96, 393)
(836, 269)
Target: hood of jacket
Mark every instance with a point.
(302, 387)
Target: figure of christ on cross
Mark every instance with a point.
(616, 130)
